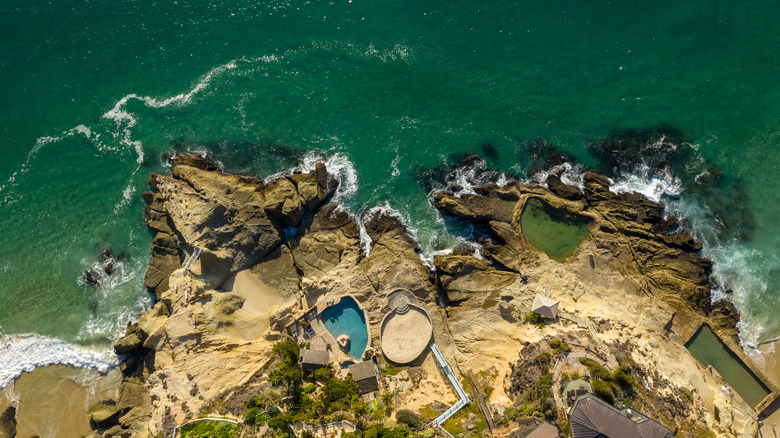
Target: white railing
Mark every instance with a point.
(464, 399)
(191, 261)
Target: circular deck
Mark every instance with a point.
(406, 334)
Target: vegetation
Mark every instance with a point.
(210, 429)
(559, 346)
(314, 398)
(611, 387)
(534, 318)
(412, 420)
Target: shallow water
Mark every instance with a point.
(96, 95)
(553, 232)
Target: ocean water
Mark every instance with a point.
(97, 95)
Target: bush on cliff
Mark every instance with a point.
(409, 418)
(338, 394)
(534, 318)
(603, 390)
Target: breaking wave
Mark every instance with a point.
(23, 353)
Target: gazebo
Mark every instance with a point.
(545, 306)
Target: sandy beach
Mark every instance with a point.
(52, 401)
(260, 298)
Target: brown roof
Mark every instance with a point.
(313, 359)
(318, 343)
(364, 374)
(592, 417)
(545, 430)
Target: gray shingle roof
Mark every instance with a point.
(313, 359)
(592, 417)
(364, 374)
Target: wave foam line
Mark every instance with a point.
(24, 353)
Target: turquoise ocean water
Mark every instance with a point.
(95, 96)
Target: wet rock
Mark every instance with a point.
(90, 278)
(8, 423)
(104, 417)
(132, 341)
(555, 185)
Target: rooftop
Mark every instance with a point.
(591, 418)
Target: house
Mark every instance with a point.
(544, 430)
(365, 376)
(545, 306)
(314, 359)
(592, 417)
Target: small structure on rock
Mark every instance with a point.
(316, 356)
(591, 418)
(545, 306)
(365, 376)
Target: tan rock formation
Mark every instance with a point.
(201, 349)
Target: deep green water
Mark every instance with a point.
(552, 231)
(95, 95)
(709, 350)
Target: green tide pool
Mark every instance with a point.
(709, 350)
(556, 233)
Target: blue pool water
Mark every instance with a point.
(347, 318)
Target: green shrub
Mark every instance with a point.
(322, 374)
(288, 350)
(603, 390)
(255, 416)
(307, 434)
(533, 318)
(544, 358)
(337, 394)
(308, 389)
(280, 422)
(409, 418)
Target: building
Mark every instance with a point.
(545, 306)
(314, 359)
(365, 376)
(593, 418)
(574, 389)
(544, 430)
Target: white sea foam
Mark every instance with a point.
(23, 353)
(653, 186)
(738, 271)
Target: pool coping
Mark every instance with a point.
(329, 336)
(774, 392)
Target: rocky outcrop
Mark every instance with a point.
(628, 228)
(200, 347)
(204, 347)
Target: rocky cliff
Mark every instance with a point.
(205, 347)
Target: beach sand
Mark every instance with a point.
(53, 401)
(260, 298)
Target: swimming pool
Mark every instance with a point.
(709, 350)
(347, 318)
